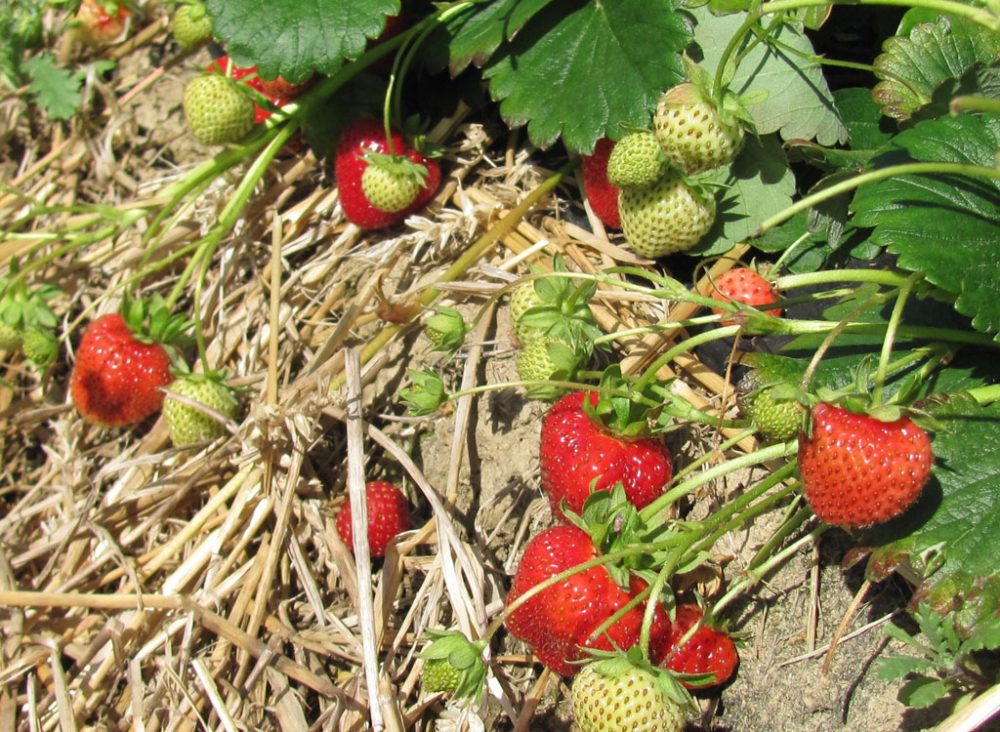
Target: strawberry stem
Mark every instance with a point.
(890, 337)
(982, 16)
(653, 514)
(649, 375)
(873, 176)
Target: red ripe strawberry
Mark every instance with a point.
(561, 618)
(117, 378)
(603, 196)
(709, 651)
(575, 452)
(368, 136)
(746, 286)
(857, 470)
(388, 515)
(101, 21)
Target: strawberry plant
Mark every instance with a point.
(607, 165)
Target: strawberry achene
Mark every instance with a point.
(388, 515)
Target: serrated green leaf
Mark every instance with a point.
(867, 129)
(781, 82)
(477, 35)
(944, 226)
(294, 38)
(589, 71)
(921, 693)
(896, 667)
(759, 184)
(56, 90)
(912, 67)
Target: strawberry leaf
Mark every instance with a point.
(944, 226)
(780, 81)
(56, 90)
(590, 71)
(294, 38)
(913, 67)
(758, 184)
(477, 35)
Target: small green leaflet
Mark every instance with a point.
(944, 226)
(584, 71)
(780, 82)
(55, 89)
(294, 38)
(912, 68)
(759, 184)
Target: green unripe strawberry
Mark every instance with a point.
(192, 25)
(626, 698)
(40, 346)
(637, 160)
(440, 675)
(667, 217)
(542, 359)
(188, 425)
(10, 337)
(392, 182)
(522, 299)
(694, 134)
(777, 420)
(217, 110)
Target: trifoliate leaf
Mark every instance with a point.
(912, 67)
(944, 226)
(56, 90)
(294, 38)
(780, 80)
(584, 71)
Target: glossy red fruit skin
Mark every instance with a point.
(708, 650)
(117, 378)
(574, 451)
(388, 515)
(603, 196)
(858, 471)
(368, 135)
(561, 618)
(746, 286)
(278, 91)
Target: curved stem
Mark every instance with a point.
(734, 43)
(653, 513)
(890, 337)
(873, 176)
(649, 375)
(823, 277)
(982, 16)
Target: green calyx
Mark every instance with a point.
(455, 663)
(426, 393)
(557, 307)
(446, 329)
(151, 321)
(620, 409)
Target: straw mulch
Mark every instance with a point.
(152, 588)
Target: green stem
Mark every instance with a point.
(922, 332)
(981, 16)
(971, 103)
(823, 277)
(649, 375)
(653, 513)
(756, 575)
(873, 176)
(734, 43)
(890, 337)
(795, 516)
